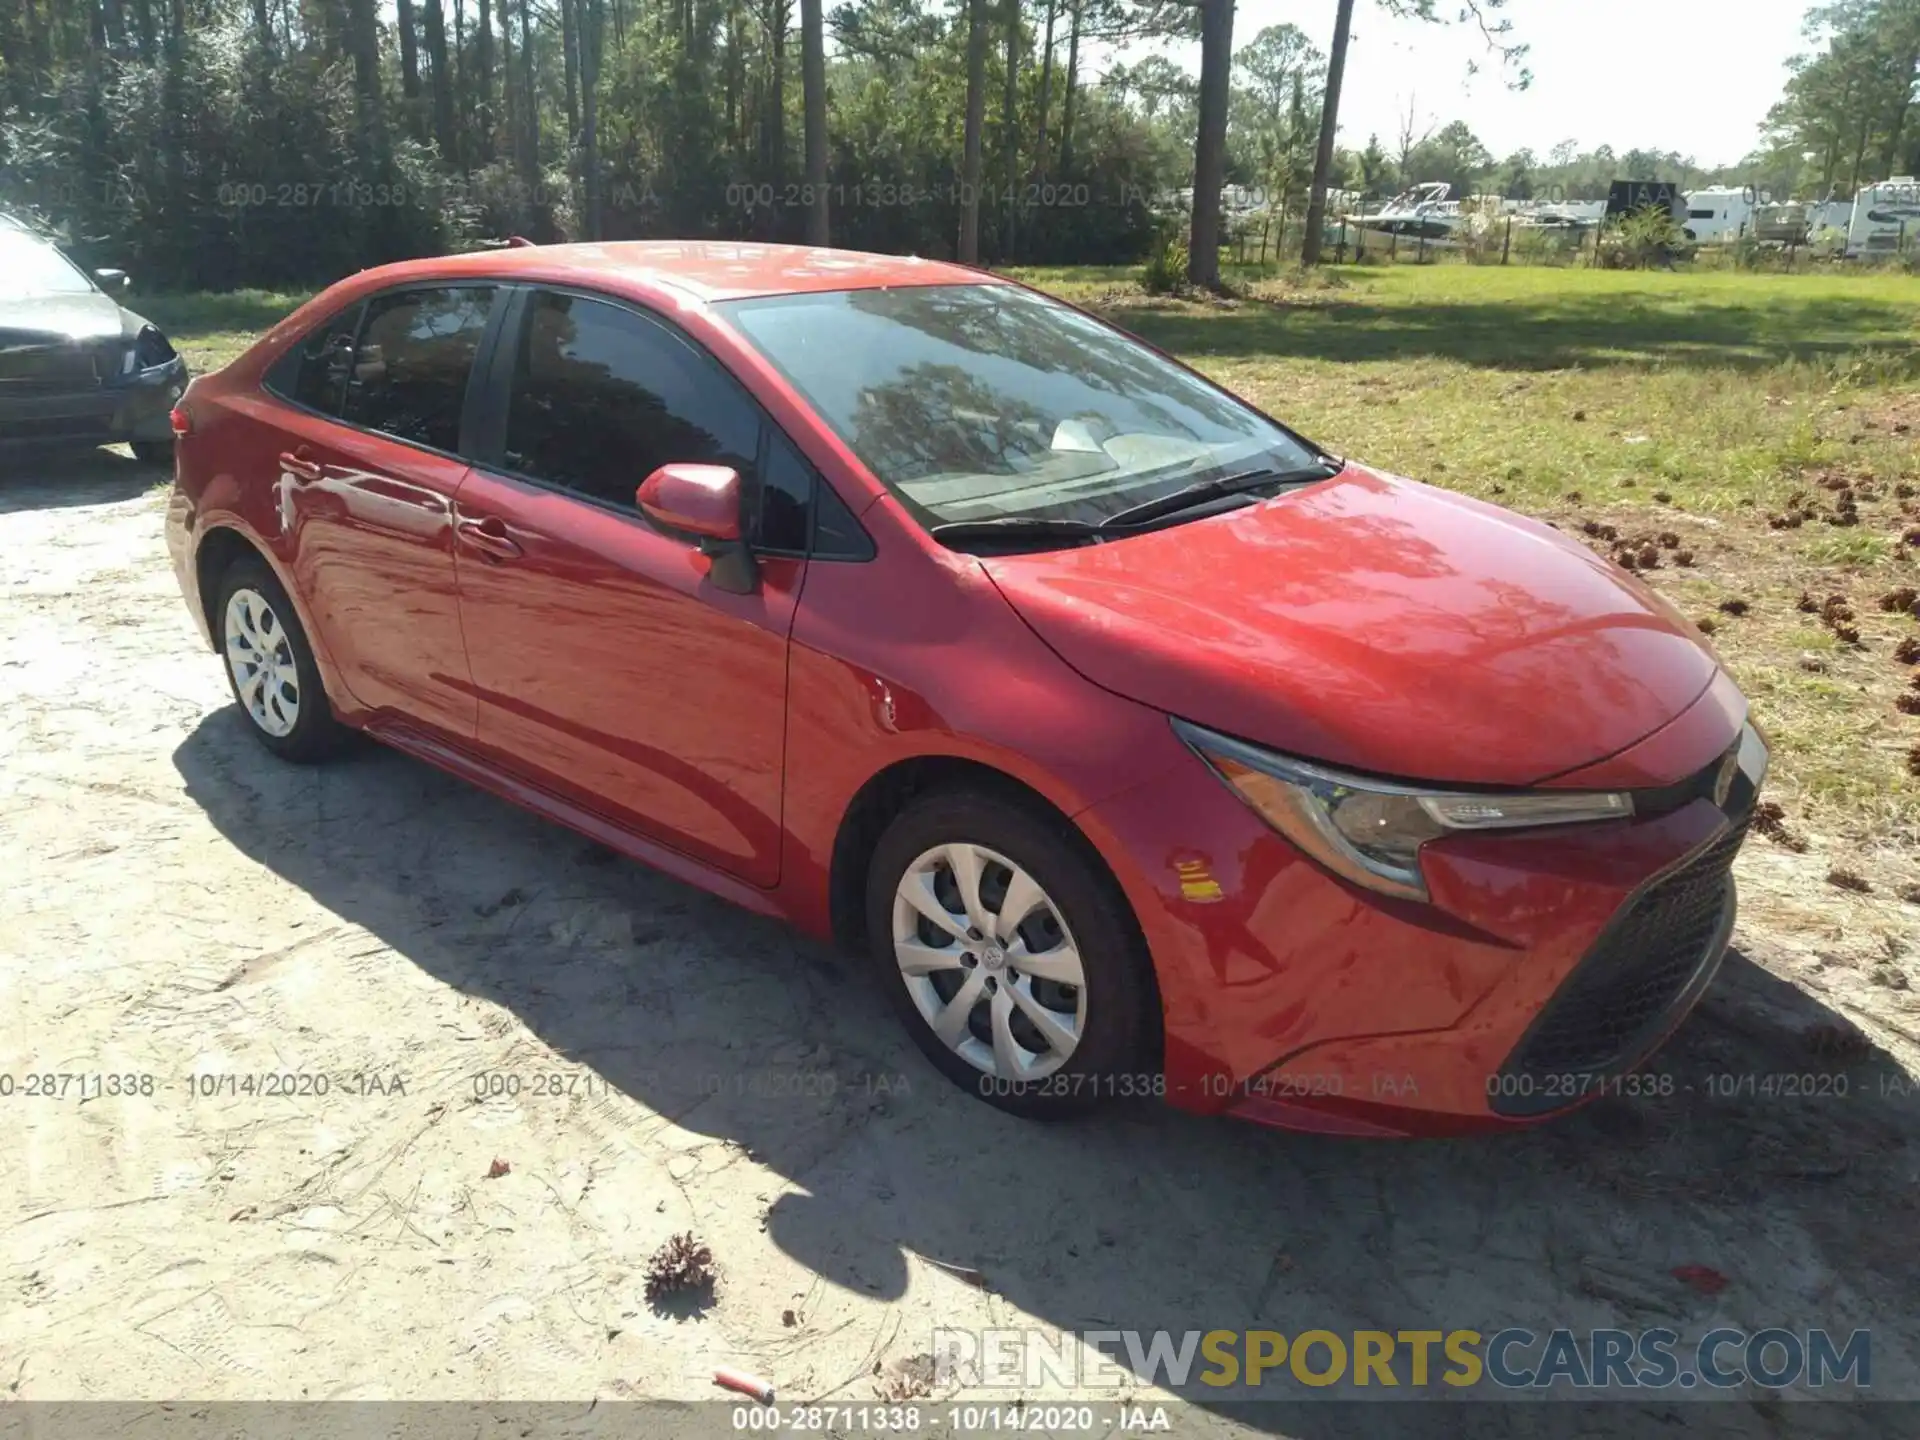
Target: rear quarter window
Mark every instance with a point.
(314, 372)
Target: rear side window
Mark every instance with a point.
(603, 397)
(410, 367)
(314, 372)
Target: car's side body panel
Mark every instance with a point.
(609, 666)
(368, 535)
(943, 668)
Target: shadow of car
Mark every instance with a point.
(1140, 1217)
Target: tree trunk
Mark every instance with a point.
(1329, 124)
(531, 97)
(969, 246)
(813, 84)
(263, 24)
(569, 42)
(1073, 80)
(1902, 107)
(409, 63)
(363, 44)
(1046, 90)
(1010, 126)
(144, 14)
(733, 76)
(483, 79)
(509, 92)
(778, 14)
(590, 33)
(1210, 144)
(443, 127)
(463, 84)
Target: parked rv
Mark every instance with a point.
(1886, 218)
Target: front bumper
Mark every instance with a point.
(133, 409)
(1531, 983)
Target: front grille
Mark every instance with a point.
(57, 427)
(28, 368)
(1599, 1020)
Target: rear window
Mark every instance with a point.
(314, 372)
(411, 363)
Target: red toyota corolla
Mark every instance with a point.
(1144, 747)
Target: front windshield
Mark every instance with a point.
(982, 402)
(29, 266)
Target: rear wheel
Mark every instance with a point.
(1011, 957)
(270, 665)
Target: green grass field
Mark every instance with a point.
(1683, 410)
(1688, 406)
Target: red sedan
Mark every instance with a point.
(1142, 746)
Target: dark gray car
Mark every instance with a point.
(77, 367)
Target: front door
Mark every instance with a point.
(368, 471)
(608, 666)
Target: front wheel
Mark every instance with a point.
(1011, 956)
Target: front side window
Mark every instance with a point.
(977, 402)
(410, 366)
(602, 397)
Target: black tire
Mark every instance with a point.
(316, 735)
(1117, 1054)
(152, 452)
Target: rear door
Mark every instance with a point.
(608, 666)
(368, 468)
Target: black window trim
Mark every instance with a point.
(488, 451)
(471, 405)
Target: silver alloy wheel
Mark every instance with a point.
(261, 659)
(989, 962)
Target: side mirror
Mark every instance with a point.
(704, 501)
(113, 280)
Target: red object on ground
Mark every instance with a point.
(1704, 1278)
(746, 1384)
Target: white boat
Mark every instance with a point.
(1566, 217)
(1422, 213)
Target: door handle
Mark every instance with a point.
(298, 464)
(489, 537)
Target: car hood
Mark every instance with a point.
(1377, 624)
(47, 319)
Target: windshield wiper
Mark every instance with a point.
(1015, 528)
(1200, 493)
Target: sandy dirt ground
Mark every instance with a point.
(174, 903)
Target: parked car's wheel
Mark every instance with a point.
(152, 452)
(270, 665)
(1011, 956)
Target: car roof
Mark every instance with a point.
(703, 270)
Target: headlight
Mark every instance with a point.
(151, 349)
(1370, 831)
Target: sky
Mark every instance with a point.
(1695, 76)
